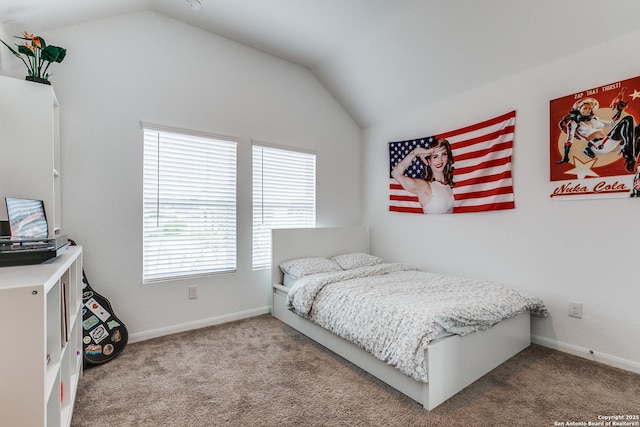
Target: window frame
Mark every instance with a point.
(287, 149)
(226, 201)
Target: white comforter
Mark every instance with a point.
(394, 311)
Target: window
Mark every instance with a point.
(189, 208)
(284, 195)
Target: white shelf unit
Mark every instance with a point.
(30, 146)
(40, 357)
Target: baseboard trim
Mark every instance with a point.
(173, 329)
(607, 359)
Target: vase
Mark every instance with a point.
(38, 80)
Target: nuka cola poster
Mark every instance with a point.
(595, 142)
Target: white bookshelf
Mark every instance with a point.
(30, 166)
(40, 358)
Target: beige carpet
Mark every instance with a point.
(260, 372)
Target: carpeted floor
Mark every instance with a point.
(260, 372)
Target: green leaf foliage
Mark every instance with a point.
(25, 50)
(36, 55)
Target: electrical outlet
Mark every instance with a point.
(575, 309)
(193, 292)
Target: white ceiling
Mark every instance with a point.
(378, 58)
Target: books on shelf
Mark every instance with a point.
(64, 314)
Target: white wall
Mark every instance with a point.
(4, 52)
(558, 250)
(147, 67)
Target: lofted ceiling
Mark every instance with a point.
(379, 58)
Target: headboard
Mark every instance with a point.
(292, 243)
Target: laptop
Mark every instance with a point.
(27, 218)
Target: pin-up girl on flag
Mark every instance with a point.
(583, 124)
(635, 191)
(434, 189)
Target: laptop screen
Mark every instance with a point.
(27, 218)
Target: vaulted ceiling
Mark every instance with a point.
(379, 58)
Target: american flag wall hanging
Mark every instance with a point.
(465, 170)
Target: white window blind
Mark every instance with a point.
(189, 204)
(284, 195)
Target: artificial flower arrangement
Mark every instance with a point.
(37, 56)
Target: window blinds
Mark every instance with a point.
(284, 195)
(189, 206)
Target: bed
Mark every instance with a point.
(451, 362)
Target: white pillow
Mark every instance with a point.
(355, 260)
(301, 267)
(288, 280)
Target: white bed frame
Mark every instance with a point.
(452, 362)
